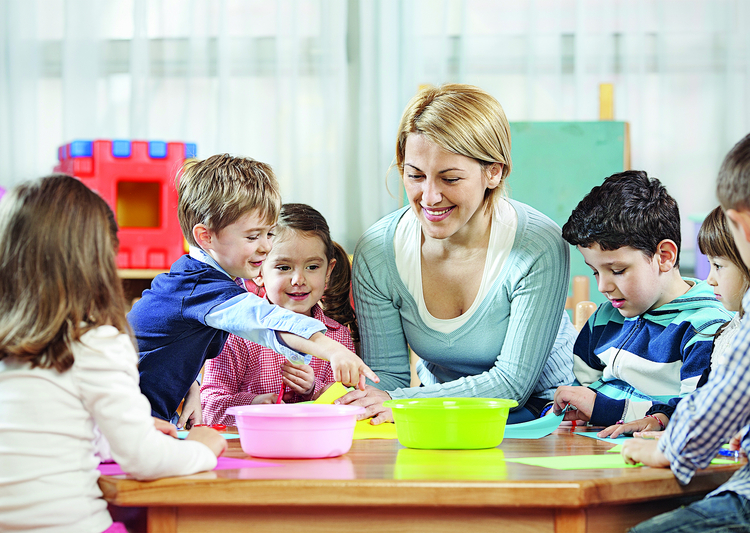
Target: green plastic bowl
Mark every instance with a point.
(450, 423)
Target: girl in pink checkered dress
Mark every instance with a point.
(305, 272)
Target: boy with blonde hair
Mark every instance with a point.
(227, 208)
(722, 406)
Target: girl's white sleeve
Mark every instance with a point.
(107, 377)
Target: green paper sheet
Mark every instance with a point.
(575, 462)
(719, 461)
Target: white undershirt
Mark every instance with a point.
(407, 243)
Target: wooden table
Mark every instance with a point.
(381, 486)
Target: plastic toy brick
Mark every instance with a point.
(136, 179)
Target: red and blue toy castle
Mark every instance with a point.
(136, 179)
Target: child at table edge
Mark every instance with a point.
(68, 376)
(227, 207)
(653, 339)
(721, 406)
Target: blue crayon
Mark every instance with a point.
(734, 454)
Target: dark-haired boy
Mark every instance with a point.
(653, 339)
(721, 407)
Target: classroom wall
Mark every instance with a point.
(555, 164)
(316, 87)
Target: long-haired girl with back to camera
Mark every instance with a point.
(68, 377)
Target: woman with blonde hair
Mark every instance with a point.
(473, 282)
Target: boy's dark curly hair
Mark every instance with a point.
(628, 209)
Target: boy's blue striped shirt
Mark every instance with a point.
(657, 356)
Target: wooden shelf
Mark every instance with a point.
(139, 273)
(137, 280)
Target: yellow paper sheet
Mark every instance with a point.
(332, 393)
(365, 430)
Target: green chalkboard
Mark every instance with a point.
(555, 164)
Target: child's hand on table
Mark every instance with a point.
(264, 399)
(647, 423)
(736, 440)
(299, 378)
(653, 435)
(209, 437)
(191, 408)
(165, 427)
(581, 400)
(347, 367)
(643, 451)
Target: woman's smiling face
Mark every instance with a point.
(445, 190)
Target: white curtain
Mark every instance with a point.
(316, 87)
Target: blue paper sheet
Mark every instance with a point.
(593, 435)
(534, 429)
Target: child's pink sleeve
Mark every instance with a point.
(223, 379)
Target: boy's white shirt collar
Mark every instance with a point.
(199, 254)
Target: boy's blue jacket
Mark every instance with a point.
(174, 340)
(657, 356)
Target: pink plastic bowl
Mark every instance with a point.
(296, 431)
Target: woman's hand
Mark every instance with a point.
(580, 398)
(636, 451)
(299, 378)
(647, 423)
(372, 400)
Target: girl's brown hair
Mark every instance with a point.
(715, 239)
(58, 275)
(337, 296)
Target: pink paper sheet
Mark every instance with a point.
(223, 463)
